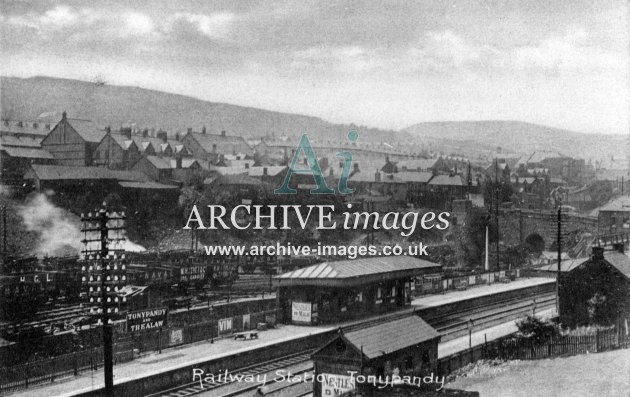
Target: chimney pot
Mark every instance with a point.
(189, 129)
(35, 125)
(47, 126)
(223, 133)
(265, 171)
(145, 133)
(598, 253)
(20, 124)
(64, 115)
(246, 166)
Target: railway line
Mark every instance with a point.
(450, 325)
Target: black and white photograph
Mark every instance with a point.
(340, 198)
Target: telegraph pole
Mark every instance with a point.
(103, 274)
(496, 176)
(559, 244)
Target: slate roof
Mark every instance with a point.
(87, 130)
(621, 203)
(357, 270)
(540, 156)
(61, 172)
(271, 170)
(415, 165)
(167, 163)
(620, 261)
(447, 180)
(413, 176)
(28, 127)
(10, 140)
(207, 140)
(391, 336)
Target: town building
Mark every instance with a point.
(17, 153)
(597, 291)
(169, 169)
(335, 291)
(73, 142)
(614, 217)
(209, 147)
(407, 347)
(24, 129)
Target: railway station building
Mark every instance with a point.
(336, 291)
(369, 358)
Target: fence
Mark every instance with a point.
(127, 347)
(510, 348)
(432, 284)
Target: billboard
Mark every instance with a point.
(301, 312)
(148, 319)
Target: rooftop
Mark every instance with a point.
(391, 336)
(357, 271)
(60, 172)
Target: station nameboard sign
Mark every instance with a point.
(301, 312)
(141, 320)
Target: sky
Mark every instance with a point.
(387, 64)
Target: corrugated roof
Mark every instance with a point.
(621, 203)
(358, 267)
(207, 140)
(391, 336)
(26, 152)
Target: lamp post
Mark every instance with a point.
(103, 272)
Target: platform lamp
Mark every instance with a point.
(103, 275)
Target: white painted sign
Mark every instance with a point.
(225, 325)
(177, 336)
(301, 312)
(336, 385)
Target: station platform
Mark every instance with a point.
(190, 354)
(478, 291)
(172, 358)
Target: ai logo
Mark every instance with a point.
(313, 169)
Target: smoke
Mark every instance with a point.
(59, 232)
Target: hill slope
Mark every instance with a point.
(26, 99)
(520, 137)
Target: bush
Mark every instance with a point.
(539, 330)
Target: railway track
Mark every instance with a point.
(451, 326)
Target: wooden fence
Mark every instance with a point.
(510, 348)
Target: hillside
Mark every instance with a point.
(26, 99)
(520, 137)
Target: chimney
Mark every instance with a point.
(20, 124)
(189, 130)
(126, 132)
(145, 132)
(6, 123)
(178, 162)
(356, 167)
(246, 166)
(619, 247)
(203, 130)
(597, 253)
(177, 137)
(377, 176)
(64, 115)
(162, 135)
(47, 126)
(223, 133)
(108, 129)
(265, 171)
(35, 125)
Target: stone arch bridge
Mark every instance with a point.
(518, 226)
